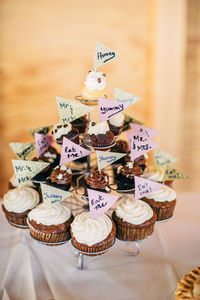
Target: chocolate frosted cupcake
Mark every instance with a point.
(17, 203)
(60, 177)
(80, 124)
(134, 220)
(116, 123)
(97, 181)
(50, 223)
(92, 235)
(59, 131)
(162, 202)
(156, 174)
(125, 176)
(100, 134)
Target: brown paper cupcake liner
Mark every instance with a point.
(16, 218)
(130, 232)
(163, 210)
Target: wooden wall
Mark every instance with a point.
(47, 49)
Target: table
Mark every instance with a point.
(30, 271)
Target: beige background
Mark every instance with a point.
(47, 49)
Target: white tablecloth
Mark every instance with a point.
(31, 271)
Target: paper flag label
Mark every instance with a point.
(125, 97)
(171, 173)
(100, 202)
(144, 187)
(140, 145)
(162, 158)
(26, 170)
(23, 150)
(72, 151)
(106, 158)
(42, 130)
(109, 108)
(103, 55)
(42, 143)
(70, 110)
(53, 195)
(144, 131)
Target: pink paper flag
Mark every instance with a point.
(42, 143)
(144, 187)
(140, 145)
(100, 202)
(144, 131)
(109, 108)
(72, 151)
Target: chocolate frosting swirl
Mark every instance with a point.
(130, 170)
(61, 175)
(98, 180)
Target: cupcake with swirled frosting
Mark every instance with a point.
(92, 235)
(100, 134)
(50, 223)
(156, 174)
(116, 123)
(17, 203)
(134, 220)
(60, 177)
(97, 181)
(162, 202)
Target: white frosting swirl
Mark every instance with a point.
(117, 120)
(58, 132)
(95, 81)
(53, 214)
(99, 128)
(154, 174)
(165, 194)
(91, 231)
(134, 212)
(14, 182)
(20, 199)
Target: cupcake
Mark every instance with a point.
(125, 175)
(94, 87)
(59, 131)
(50, 223)
(189, 286)
(141, 161)
(92, 235)
(60, 177)
(17, 203)
(134, 220)
(116, 123)
(156, 174)
(100, 134)
(80, 124)
(162, 202)
(13, 183)
(97, 181)
(121, 146)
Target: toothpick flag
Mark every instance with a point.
(42, 130)
(100, 202)
(171, 173)
(106, 158)
(144, 187)
(125, 97)
(42, 143)
(23, 150)
(70, 110)
(26, 170)
(109, 108)
(103, 55)
(72, 151)
(143, 131)
(53, 195)
(162, 158)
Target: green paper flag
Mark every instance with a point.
(23, 150)
(125, 97)
(53, 195)
(26, 170)
(106, 158)
(70, 110)
(171, 173)
(162, 158)
(41, 130)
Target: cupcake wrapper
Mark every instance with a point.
(163, 211)
(17, 221)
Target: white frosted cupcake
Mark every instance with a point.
(92, 235)
(162, 202)
(134, 220)
(94, 87)
(50, 223)
(116, 123)
(18, 202)
(156, 174)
